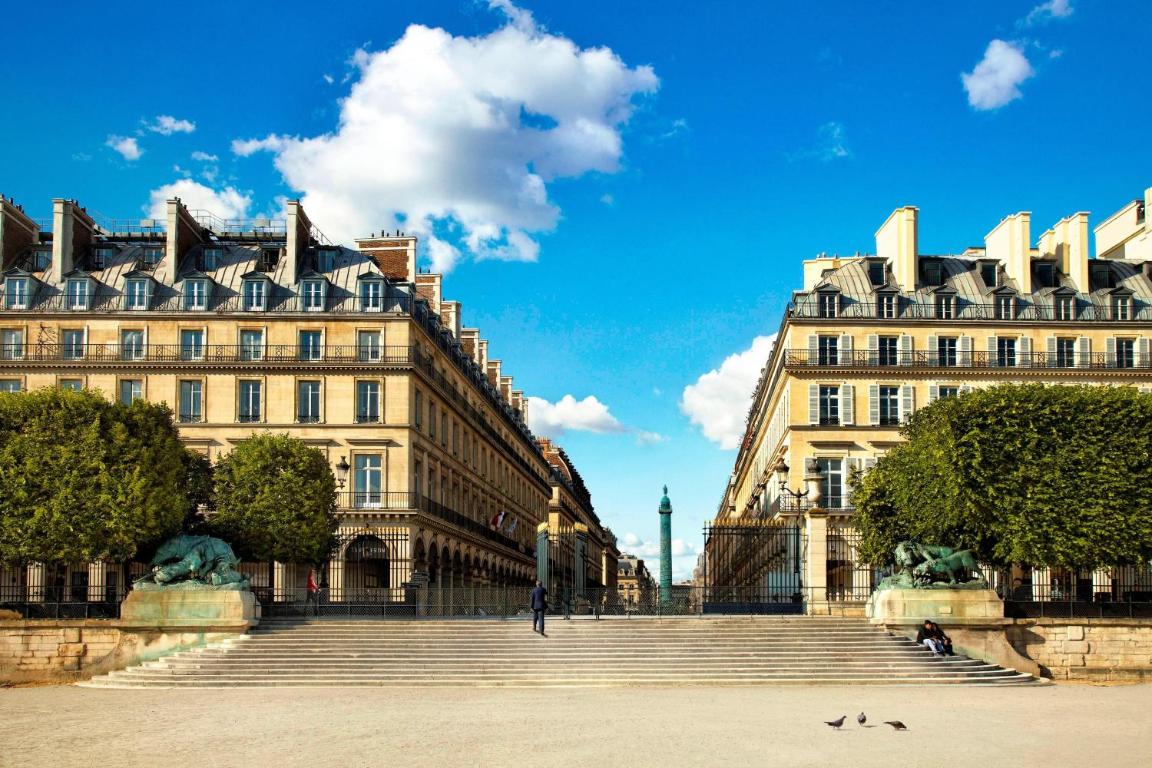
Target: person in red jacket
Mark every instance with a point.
(313, 595)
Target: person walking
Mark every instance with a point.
(539, 604)
(313, 595)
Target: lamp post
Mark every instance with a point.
(813, 482)
(342, 472)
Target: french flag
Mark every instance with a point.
(498, 520)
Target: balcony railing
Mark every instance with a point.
(372, 500)
(210, 354)
(276, 303)
(968, 311)
(993, 360)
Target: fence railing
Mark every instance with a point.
(207, 354)
(274, 303)
(860, 358)
(968, 311)
(68, 602)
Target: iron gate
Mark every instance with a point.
(754, 566)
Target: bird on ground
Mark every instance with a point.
(836, 723)
(860, 718)
(899, 726)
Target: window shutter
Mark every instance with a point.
(1145, 390)
(933, 351)
(991, 350)
(905, 349)
(965, 355)
(1110, 352)
(874, 403)
(850, 466)
(1050, 349)
(813, 349)
(1142, 352)
(813, 403)
(933, 393)
(965, 388)
(847, 404)
(907, 401)
(1024, 352)
(873, 349)
(845, 349)
(1084, 352)
(869, 463)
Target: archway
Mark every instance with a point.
(366, 568)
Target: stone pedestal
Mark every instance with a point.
(203, 607)
(902, 605)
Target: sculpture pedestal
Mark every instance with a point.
(898, 606)
(202, 607)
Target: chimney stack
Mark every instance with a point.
(73, 232)
(184, 233)
(17, 232)
(299, 240)
(1009, 243)
(1067, 241)
(896, 241)
(394, 255)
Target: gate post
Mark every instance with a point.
(816, 562)
(580, 566)
(542, 554)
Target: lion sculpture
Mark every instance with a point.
(921, 566)
(194, 560)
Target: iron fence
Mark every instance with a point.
(68, 602)
(1119, 592)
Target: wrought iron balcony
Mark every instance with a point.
(804, 358)
(966, 311)
(211, 354)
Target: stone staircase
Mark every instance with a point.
(797, 650)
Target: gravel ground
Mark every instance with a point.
(1052, 726)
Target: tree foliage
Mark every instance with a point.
(1034, 474)
(83, 479)
(276, 500)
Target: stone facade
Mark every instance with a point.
(1086, 649)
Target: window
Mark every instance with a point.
(191, 401)
(1125, 353)
(988, 275)
(886, 306)
(876, 272)
(946, 351)
(371, 295)
(367, 402)
(308, 402)
(132, 345)
(196, 295)
(325, 260)
(11, 344)
(932, 272)
(829, 405)
(130, 390)
(887, 350)
(368, 343)
(366, 481)
(74, 385)
(41, 259)
(255, 296)
(432, 420)
(1045, 272)
(101, 257)
(72, 344)
(16, 293)
(152, 257)
(1121, 308)
(945, 307)
(191, 345)
(210, 258)
(829, 304)
(313, 296)
(833, 471)
(136, 294)
(419, 409)
(1005, 352)
(1065, 353)
(251, 345)
(310, 345)
(9, 385)
(889, 402)
(828, 350)
(444, 430)
(250, 405)
(77, 294)
(1005, 307)
(1064, 308)
(945, 392)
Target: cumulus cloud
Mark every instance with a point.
(204, 157)
(996, 79)
(227, 203)
(457, 138)
(569, 414)
(127, 146)
(1053, 9)
(166, 125)
(684, 555)
(718, 402)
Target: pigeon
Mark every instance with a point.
(836, 723)
(860, 718)
(896, 724)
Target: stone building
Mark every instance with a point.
(634, 584)
(868, 339)
(264, 325)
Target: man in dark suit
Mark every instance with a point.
(539, 604)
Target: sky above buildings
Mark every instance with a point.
(620, 193)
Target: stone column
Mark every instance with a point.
(36, 583)
(279, 586)
(665, 548)
(579, 567)
(1042, 584)
(1101, 582)
(97, 581)
(816, 561)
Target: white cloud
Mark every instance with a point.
(166, 125)
(718, 402)
(650, 438)
(996, 79)
(457, 138)
(684, 554)
(329, 79)
(126, 146)
(227, 203)
(204, 157)
(1053, 9)
(569, 414)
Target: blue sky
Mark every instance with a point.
(621, 197)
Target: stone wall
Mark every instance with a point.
(1086, 649)
(69, 650)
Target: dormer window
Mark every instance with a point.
(151, 257)
(371, 295)
(1121, 307)
(1101, 276)
(886, 306)
(1064, 308)
(988, 274)
(79, 295)
(40, 260)
(269, 258)
(16, 293)
(137, 293)
(1045, 272)
(210, 258)
(945, 307)
(102, 256)
(312, 295)
(829, 304)
(196, 295)
(876, 272)
(255, 295)
(1005, 307)
(932, 273)
(326, 259)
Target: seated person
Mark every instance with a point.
(943, 639)
(926, 637)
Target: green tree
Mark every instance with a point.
(198, 485)
(82, 478)
(1043, 475)
(276, 500)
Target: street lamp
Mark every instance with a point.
(342, 472)
(813, 482)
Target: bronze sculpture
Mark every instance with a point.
(924, 566)
(194, 562)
